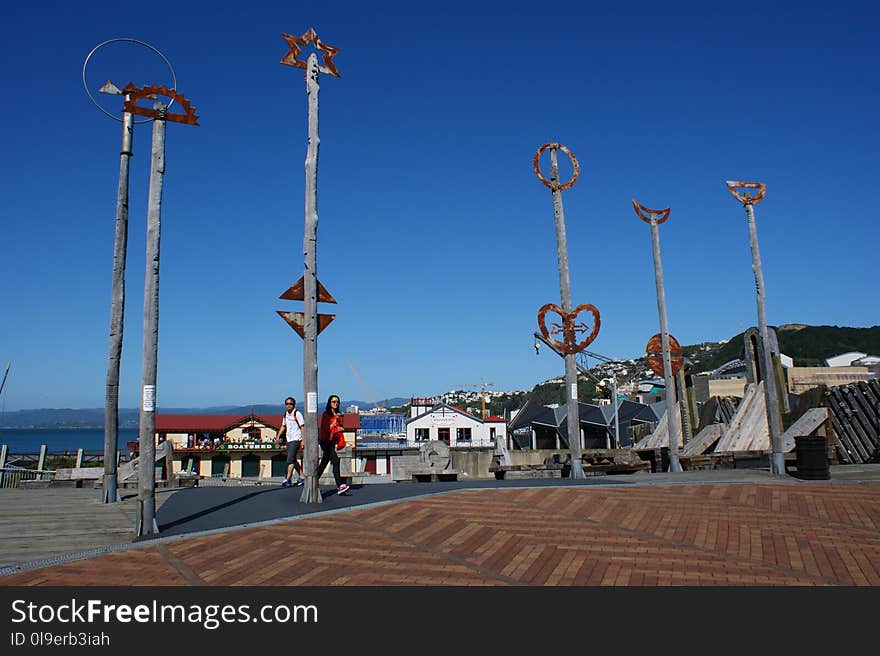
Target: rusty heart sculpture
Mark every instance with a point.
(569, 327)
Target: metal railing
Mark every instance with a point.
(11, 476)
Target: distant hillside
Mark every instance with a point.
(808, 346)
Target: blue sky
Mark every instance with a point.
(435, 236)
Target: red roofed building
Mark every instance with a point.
(233, 446)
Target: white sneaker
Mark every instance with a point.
(342, 489)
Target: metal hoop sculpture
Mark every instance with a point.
(555, 186)
(641, 212)
(745, 199)
(141, 43)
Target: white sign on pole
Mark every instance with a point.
(149, 404)
(312, 402)
(574, 391)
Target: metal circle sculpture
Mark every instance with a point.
(555, 186)
(127, 40)
(654, 355)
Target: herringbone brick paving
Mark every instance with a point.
(695, 535)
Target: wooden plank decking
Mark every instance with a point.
(41, 524)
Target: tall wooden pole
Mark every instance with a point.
(146, 510)
(673, 416)
(311, 492)
(571, 382)
(777, 460)
(767, 367)
(117, 313)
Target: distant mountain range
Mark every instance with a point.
(92, 418)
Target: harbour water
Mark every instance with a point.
(28, 440)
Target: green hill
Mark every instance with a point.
(809, 346)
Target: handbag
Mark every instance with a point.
(337, 432)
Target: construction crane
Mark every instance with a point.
(3, 384)
(482, 385)
(377, 406)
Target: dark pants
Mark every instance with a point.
(329, 455)
(292, 449)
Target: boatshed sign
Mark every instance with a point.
(247, 446)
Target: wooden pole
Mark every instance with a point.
(311, 492)
(571, 383)
(777, 460)
(673, 416)
(146, 510)
(41, 461)
(117, 313)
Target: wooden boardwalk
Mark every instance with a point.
(53, 522)
(709, 534)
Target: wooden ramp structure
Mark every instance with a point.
(747, 430)
(704, 440)
(656, 440)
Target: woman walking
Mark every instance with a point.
(329, 432)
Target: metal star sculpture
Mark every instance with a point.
(297, 43)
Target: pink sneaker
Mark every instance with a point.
(342, 489)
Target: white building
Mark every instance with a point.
(454, 426)
(844, 359)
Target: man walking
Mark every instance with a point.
(291, 431)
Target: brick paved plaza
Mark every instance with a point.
(733, 534)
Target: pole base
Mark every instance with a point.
(311, 492)
(777, 464)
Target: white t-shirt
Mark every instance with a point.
(293, 432)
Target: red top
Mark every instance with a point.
(328, 426)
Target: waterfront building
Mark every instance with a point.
(233, 446)
(451, 425)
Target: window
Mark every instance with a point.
(492, 433)
(462, 434)
(422, 434)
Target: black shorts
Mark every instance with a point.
(292, 449)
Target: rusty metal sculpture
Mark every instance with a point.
(569, 328)
(654, 355)
(297, 43)
(555, 186)
(297, 320)
(153, 91)
(745, 198)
